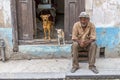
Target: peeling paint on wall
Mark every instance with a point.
(5, 13)
(104, 13)
(1, 18)
(1, 15)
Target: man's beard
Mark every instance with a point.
(83, 25)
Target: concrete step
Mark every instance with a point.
(32, 76)
(58, 69)
(87, 74)
(62, 76)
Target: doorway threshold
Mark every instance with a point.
(41, 41)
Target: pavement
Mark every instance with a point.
(56, 68)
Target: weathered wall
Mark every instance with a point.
(5, 13)
(5, 25)
(105, 14)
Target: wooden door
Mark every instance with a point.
(25, 19)
(72, 11)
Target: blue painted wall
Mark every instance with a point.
(106, 37)
(6, 33)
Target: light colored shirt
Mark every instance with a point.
(80, 34)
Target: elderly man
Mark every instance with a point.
(84, 36)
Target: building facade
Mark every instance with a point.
(18, 25)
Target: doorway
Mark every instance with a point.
(53, 7)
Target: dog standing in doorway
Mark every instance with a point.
(47, 26)
(60, 35)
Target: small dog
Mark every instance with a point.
(47, 26)
(60, 35)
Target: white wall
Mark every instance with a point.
(104, 12)
(5, 13)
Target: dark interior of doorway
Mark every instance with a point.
(59, 18)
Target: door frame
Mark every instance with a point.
(14, 19)
(14, 25)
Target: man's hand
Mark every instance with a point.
(87, 42)
(82, 44)
(79, 42)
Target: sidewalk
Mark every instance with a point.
(55, 68)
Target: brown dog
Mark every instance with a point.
(47, 26)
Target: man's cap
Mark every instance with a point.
(84, 14)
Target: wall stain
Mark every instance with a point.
(1, 18)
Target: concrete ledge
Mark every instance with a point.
(33, 76)
(47, 51)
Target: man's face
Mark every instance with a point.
(84, 21)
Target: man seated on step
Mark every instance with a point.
(84, 36)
